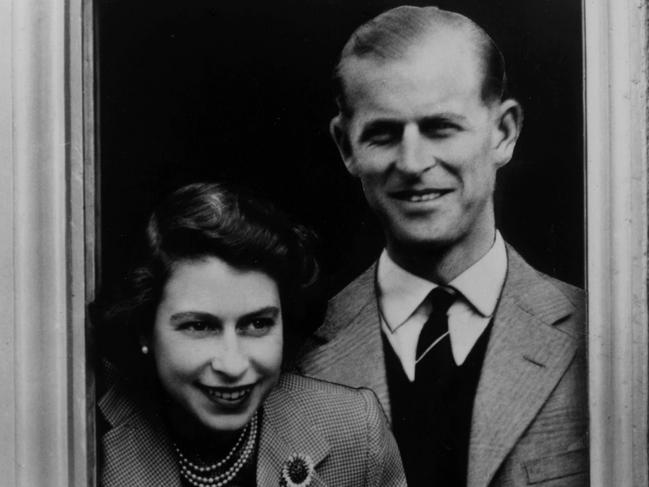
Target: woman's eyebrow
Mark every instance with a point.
(273, 311)
(193, 315)
(202, 316)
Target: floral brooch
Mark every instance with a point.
(297, 471)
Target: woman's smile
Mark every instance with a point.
(228, 397)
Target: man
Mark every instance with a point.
(476, 357)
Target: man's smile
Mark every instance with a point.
(418, 195)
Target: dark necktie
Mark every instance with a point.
(434, 352)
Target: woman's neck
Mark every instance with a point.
(192, 436)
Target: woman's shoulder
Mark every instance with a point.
(351, 422)
(301, 384)
(328, 400)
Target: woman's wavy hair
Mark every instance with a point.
(195, 222)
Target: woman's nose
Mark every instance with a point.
(413, 157)
(230, 360)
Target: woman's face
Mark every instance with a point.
(217, 344)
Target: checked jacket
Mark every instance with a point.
(342, 429)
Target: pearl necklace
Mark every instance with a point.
(201, 476)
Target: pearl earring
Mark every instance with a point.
(145, 350)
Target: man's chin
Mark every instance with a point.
(420, 240)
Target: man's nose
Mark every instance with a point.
(413, 158)
(230, 360)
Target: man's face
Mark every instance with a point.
(424, 144)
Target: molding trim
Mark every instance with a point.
(616, 148)
(7, 338)
(47, 162)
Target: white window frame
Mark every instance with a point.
(48, 244)
(616, 169)
(47, 253)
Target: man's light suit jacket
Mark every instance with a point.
(341, 429)
(529, 424)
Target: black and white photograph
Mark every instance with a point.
(436, 152)
(362, 243)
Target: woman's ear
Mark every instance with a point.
(507, 128)
(145, 343)
(338, 131)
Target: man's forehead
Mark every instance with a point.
(437, 54)
(430, 72)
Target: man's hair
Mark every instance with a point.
(388, 36)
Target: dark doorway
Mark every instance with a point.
(208, 90)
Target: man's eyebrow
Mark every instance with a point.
(443, 116)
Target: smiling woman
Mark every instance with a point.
(193, 350)
(217, 343)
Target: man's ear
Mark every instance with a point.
(508, 127)
(338, 131)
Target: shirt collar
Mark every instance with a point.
(401, 292)
(482, 283)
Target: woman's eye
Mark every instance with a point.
(258, 326)
(197, 326)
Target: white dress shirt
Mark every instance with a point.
(404, 309)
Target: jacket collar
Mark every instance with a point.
(352, 353)
(138, 451)
(526, 357)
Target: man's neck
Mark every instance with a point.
(439, 264)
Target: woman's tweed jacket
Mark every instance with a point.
(342, 429)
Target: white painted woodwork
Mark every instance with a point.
(616, 116)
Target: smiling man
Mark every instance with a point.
(476, 357)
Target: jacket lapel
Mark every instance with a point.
(286, 431)
(526, 357)
(137, 451)
(352, 353)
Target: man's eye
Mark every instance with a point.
(439, 129)
(382, 133)
(383, 138)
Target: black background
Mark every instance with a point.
(209, 90)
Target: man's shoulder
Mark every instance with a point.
(352, 322)
(572, 293)
(519, 265)
(347, 304)
(545, 296)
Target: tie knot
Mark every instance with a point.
(441, 299)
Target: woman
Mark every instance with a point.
(195, 346)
